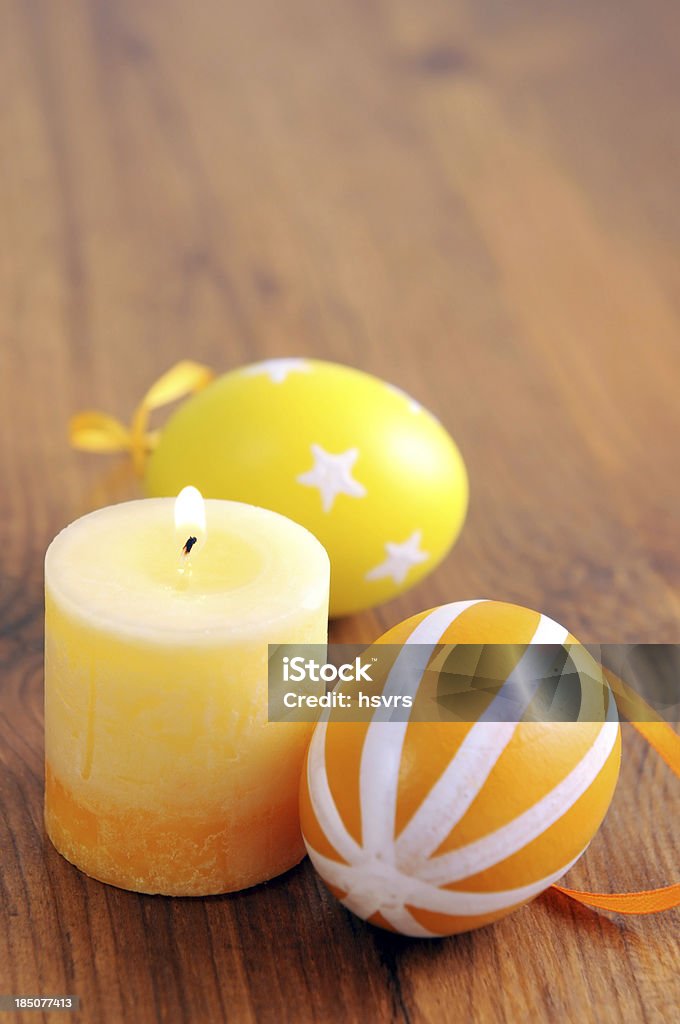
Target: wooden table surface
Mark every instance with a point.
(477, 201)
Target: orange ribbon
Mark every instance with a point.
(93, 431)
(666, 742)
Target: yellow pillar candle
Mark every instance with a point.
(162, 772)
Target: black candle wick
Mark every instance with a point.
(189, 545)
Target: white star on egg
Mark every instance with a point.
(278, 369)
(332, 475)
(400, 559)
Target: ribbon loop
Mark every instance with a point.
(93, 431)
(182, 379)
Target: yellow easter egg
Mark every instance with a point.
(366, 469)
(433, 828)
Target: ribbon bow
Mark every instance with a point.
(92, 431)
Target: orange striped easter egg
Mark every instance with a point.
(433, 828)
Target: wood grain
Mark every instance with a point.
(477, 201)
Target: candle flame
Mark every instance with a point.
(190, 526)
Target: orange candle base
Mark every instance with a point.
(150, 853)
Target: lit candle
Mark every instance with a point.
(162, 772)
